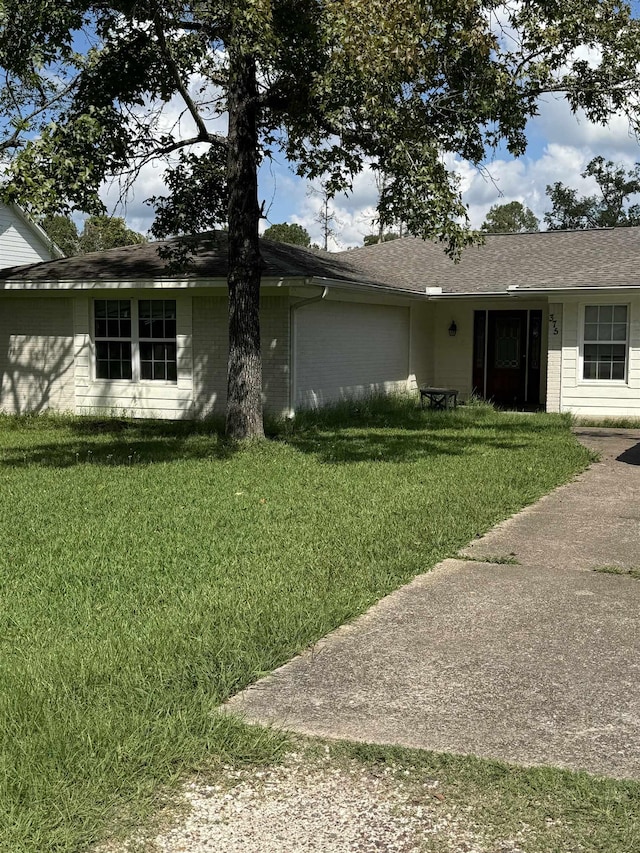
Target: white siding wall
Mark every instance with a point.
(133, 399)
(598, 398)
(210, 351)
(19, 244)
(345, 350)
(36, 354)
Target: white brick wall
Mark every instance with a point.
(554, 358)
(36, 354)
(210, 352)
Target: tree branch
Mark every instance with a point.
(204, 135)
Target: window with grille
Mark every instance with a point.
(605, 342)
(113, 338)
(135, 339)
(157, 336)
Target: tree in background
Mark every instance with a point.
(512, 217)
(293, 234)
(332, 87)
(608, 208)
(62, 230)
(98, 234)
(325, 217)
(372, 239)
(107, 232)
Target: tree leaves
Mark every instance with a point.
(608, 208)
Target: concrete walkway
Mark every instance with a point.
(534, 663)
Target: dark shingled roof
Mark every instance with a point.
(542, 260)
(536, 261)
(142, 262)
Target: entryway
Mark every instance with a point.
(506, 356)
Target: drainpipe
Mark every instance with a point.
(293, 309)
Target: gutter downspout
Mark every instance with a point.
(292, 342)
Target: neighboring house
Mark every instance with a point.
(546, 319)
(21, 240)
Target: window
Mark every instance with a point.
(157, 333)
(135, 339)
(605, 342)
(113, 338)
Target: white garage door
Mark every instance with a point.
(346, 349)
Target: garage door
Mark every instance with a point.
(345, 350)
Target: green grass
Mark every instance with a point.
(148, 571)
(617, 570)
(537, 809)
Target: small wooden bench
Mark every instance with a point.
(439, 398)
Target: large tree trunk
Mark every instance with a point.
(244, 386)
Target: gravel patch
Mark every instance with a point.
(315, 806)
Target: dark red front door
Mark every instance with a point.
(507, 357)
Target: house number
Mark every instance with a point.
(553, 322)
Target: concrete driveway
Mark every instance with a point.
(532, 663)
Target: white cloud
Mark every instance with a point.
(561, 146)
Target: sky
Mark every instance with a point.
(559, 147)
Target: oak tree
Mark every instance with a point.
(511, 217)
(331, 86)
(293, 234)
(608, 208)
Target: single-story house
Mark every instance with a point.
(548, 319)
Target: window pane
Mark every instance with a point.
(144, 308)
(591, 314)
(589, 370)
(604, 332)
(604, 370)
(101, 328)
(591, 352)
(590, 331)
(146, 349)
(606, 314)
(146, 370)
(169, 328)
(157, 328)
(144, 327)
(172, 373)
(100, 308)
(620, 313)
(617, 370)
(619, 332)
(618, 352)
(159, 370)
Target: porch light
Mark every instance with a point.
(453, 329)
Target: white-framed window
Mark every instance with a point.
(605, 343)
(135, 339)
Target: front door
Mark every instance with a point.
(506, 356)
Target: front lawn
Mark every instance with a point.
(149, 571)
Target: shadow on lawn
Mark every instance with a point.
(81, 441)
